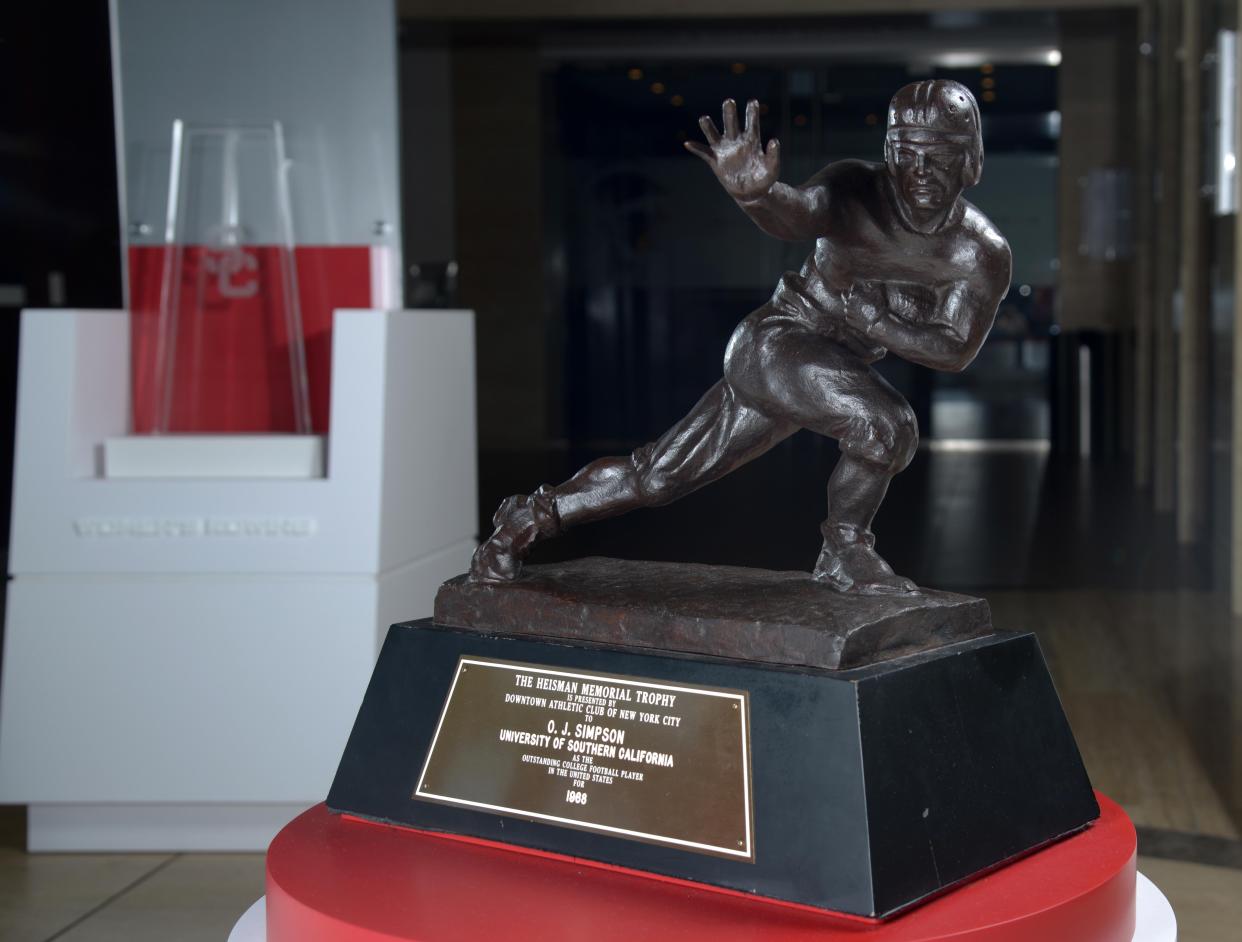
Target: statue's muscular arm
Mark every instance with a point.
(793, 213)
(948, 336)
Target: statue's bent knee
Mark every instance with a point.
(887, 440)
(905, 439)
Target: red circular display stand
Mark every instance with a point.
(335, 879)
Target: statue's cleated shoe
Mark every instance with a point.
(849, 563)
(495, 560)
(520, 522)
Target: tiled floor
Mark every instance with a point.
(125, 898)
(1105, 652)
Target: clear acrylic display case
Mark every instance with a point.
(227, 350)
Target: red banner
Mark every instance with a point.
(231, 363)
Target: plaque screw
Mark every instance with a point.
(735, 706)
(741, 844)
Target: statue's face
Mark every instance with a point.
(930, 172)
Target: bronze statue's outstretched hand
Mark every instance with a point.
(744, 168)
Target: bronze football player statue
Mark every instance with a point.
(902, 264)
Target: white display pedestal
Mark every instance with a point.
(252, 927)
(244, 457)
(1155, 919)
(184, 657)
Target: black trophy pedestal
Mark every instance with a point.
(862, 791)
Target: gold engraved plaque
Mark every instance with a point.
(643, 759)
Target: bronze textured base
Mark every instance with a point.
(720, 611)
